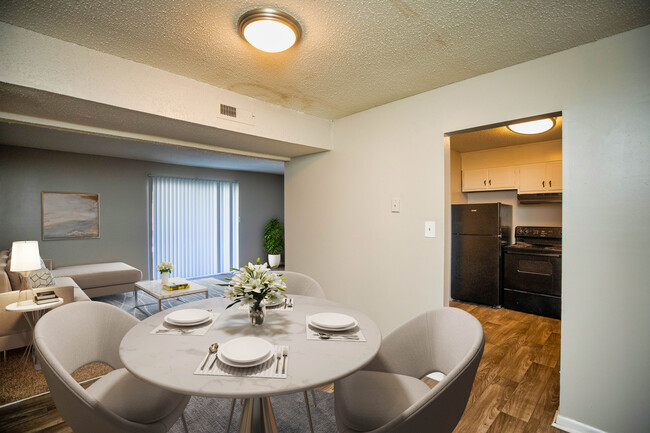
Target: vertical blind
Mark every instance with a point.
(194, 225)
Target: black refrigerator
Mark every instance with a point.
(478, 234)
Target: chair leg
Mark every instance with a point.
(232, 408)
(313, 397)
(184, 422)
(311, 423)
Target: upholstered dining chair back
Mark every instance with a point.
(446, 340)
(301, 284)
(77, 334)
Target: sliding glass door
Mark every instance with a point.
(194, 224)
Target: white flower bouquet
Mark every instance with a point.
(165, 267)
(253, 284)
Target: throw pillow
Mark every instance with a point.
(41, 277)
(14, 277)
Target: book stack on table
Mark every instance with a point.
(45, 297)
(178, 286)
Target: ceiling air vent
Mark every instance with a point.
(230, 112)
(227, 110)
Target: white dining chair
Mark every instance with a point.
(388, 395)
(77, 334)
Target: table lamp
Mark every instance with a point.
(25, 259)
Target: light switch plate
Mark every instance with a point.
(429, 229)
(394, 205)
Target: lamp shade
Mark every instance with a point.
(25, 256)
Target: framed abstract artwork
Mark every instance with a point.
(70, 215)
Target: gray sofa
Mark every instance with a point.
(71, 283)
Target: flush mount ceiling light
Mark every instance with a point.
(269, 30)
(533, 127)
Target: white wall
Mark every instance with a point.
(341, 231)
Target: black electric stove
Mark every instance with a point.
(532, 271)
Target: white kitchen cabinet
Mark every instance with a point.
(489, 179)
(554, 173)
(543, 177)
(475, 180)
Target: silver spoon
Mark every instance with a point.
(213, 349)
(216, 346)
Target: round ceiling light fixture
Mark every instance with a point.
(533, 127)
(269, 30)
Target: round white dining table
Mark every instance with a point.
(169, 361)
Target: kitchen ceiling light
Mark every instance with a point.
(269, 30)
(533, 127)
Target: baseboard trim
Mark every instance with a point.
(572, 426)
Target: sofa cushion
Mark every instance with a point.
(5, 284)
(131, 398)
(370, 399)
(99, 275)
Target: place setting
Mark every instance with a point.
(245, 357)
(190, 321)
(333, 327)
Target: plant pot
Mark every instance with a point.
(274, 260)
(257, 314)
(165, 278)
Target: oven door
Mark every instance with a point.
(534, 273)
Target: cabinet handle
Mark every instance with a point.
(549, 183)
(484, 183)
(543, 183)
(490, 181)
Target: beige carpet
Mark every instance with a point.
(19, 380)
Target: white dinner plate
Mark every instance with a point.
(325, 328)
(190, 316)
(333, 321)
(245, 350)
(243, 364)
(172, 322)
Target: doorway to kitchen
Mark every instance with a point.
(503, 261)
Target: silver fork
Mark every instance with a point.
(278, 355)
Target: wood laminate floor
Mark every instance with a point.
(516, 389)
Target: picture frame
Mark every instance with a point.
(69, 215)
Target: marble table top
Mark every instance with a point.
(169, 361)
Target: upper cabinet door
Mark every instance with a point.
(475, 180)
(554, 176)
(502, 178)
(532, 178)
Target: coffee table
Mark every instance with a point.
(155, 289)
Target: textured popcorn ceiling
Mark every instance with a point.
(354, 54)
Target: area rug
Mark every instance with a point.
(20, 380)
(211, 414)
(149, 305)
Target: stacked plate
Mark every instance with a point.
(189, 317)
(333, 322)
(245, 352)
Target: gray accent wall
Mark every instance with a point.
(122, 185)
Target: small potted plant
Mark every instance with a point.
(165, 268)
(274, 241)
(254, 285)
